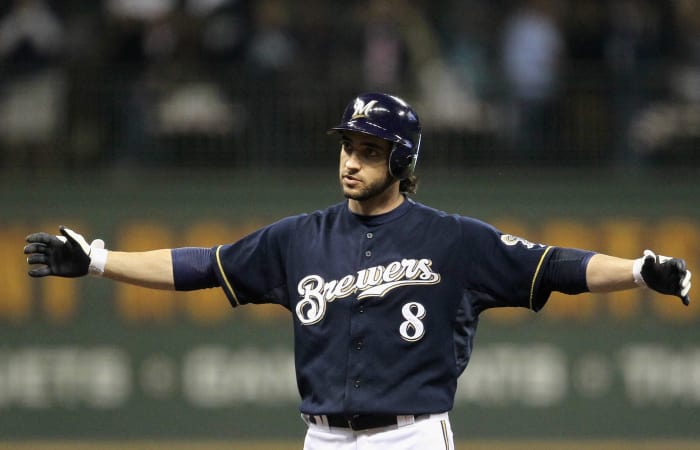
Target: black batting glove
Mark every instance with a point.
(663, 274)
(67, 255)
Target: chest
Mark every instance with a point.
(392, 273)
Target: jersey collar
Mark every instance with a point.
(381, 219)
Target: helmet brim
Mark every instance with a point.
(370, 129)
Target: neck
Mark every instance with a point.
(379, 204)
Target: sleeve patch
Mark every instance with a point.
(511, 240)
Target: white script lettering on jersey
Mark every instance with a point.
(375, 281)
(509, 239)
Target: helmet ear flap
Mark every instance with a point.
(402, 162)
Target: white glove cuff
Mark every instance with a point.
(98, 260)
(637, 271)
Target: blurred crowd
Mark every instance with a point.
(110, 82)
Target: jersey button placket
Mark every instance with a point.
(358, 329)
(369, 235)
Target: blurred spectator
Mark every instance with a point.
(587, 100)
(318, 34)
(470, 29)
(273, 48)
(467, 80)
(138, 81)
(225, 29)
(169, 105)
(402, 52)
(31, 36)
(632, 52)
(668, 130)
(532, 54)
(138, 33)
(385, 55)
(394, 41)
(687, 66)
(586, 26)
(32, 89)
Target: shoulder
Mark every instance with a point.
(329, 213)
(436, 216)
(304, 219)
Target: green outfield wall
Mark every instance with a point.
(90, 359)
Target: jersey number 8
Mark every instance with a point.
(412, 328)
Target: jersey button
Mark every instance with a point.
(368, 253)
(358, 345)
(370, 235)
(357, 384)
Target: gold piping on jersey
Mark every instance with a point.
(537, 271)
(223, 275)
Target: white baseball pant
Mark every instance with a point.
(433, 432)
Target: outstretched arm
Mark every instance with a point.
(609, 273)
(659, 273)
(152, 269)
(69, 255)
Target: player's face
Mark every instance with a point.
(364, 166)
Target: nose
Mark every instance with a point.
(352, 161)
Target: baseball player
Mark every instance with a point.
(385, 292)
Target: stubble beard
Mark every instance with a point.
(370, 191)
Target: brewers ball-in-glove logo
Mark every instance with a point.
(362, 109)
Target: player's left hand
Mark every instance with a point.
(663, 274)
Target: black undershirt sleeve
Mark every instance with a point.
(193, 268)
(566, 271)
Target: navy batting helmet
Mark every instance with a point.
(390, 118)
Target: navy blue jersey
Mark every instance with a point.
(385, 307)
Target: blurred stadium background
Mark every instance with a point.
(157, 123)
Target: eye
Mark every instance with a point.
(372, 152)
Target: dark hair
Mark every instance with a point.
(409, 185)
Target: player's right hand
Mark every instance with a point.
(67, 255)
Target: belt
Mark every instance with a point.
(363, 421)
